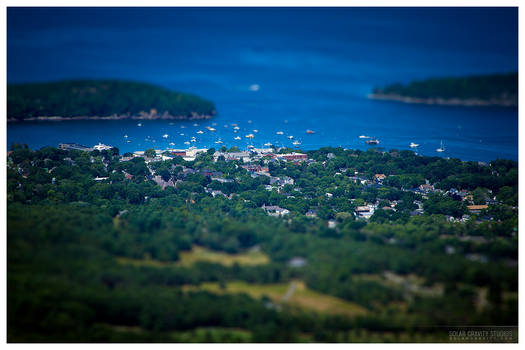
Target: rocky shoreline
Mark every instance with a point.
(445, 102)
(142, 116)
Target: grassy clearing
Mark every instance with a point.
(302, 297)
(252, 257)
(201, 254)
(411, 284)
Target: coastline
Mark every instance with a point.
(142, 116)
(444, 102)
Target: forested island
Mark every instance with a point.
(101, 99)
(330, 245)
(482, 90)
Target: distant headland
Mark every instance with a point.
(481, 90)
(102, 100)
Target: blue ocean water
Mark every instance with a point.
(313, 67)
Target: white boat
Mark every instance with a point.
(165, 136)
(296, 143)
(172, 144)
(237, 137)
(128, 141)
(186, 143)
(195, 124)
(125, 136)
(218, 141)
(364, 137)
(290, 137)
(193, 140)
(210, 128)
(139, 124)
(181, 134)
(250, 136)
(442, 148)
(279, 133)
(255, 130)
(234, 131)
(414, 145)
(200, 132)
(236, 127)
(267, 144)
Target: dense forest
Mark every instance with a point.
(497, 89)
(101, 98)
(98, 251)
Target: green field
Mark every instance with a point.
(302, 297)
(201, 254)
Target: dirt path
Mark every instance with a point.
(290, 291)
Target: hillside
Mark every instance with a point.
(482, 90)
(101, 99)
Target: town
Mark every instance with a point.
(256, 162)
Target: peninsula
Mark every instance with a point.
(101, 99)
(482, 90)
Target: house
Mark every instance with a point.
(476, 209)
(221, 180)
(364, 211)
(311, 213)
(297, 262)
(215, 193)
(177, 152)
(274, 210)
(268, 187)
(380, 177)
(426, 188)
(100, 178)
(293, 156)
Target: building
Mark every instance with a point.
(274, 210)
(311, 213)
(297, 262)
(102, 147)
(74, 146)
(476, 209)
(426, 188)
(364, 212)
(293, 156)
(380, 177)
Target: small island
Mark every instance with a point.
(482, 90)
(101, 99)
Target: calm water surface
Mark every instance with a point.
(314, 69)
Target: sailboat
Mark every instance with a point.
(442, 148)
